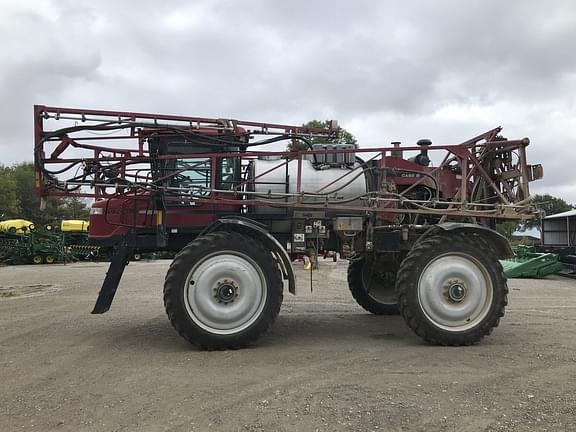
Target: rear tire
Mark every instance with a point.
(37, 259)
(451, 289)
(50, 259)
(223, 291)
(372, 290)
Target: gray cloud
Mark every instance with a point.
(443, 69)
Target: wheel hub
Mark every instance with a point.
(225, 291)
(455, 291)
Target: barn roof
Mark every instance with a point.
(568, 213)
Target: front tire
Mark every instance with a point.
(223, 291)
(451, 289)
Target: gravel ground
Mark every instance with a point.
(326, 365)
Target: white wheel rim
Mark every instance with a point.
(455, 292)
(225, 292)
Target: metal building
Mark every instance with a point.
(559, 230)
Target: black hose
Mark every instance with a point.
(185, 132)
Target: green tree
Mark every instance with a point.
(551, 205)
(18, 181)
(9, 204)
(507, 229)
(75, 208)
(23, 175)
(344, 137)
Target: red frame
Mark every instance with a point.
(78, 147)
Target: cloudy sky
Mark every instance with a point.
(387, 70)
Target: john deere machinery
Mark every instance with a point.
(22, 242)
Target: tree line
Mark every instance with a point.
(18, 198)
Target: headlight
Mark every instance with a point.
(96, 210)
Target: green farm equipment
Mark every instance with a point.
(35, 247)
(527, 263)
(74, 234)
(24, 243)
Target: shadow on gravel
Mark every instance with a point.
(155, 334)
(315, 330)
(336, 328)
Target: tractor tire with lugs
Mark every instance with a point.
(451, 289)
(223, 291)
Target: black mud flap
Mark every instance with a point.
(118, 263)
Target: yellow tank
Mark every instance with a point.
(16, 226)
(74, 226)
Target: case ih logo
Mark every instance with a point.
(409, 174)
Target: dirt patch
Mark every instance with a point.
(27, 290)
